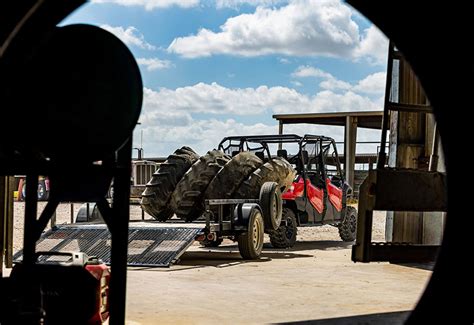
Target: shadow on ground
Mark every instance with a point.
(393, 318)
(228, 255)
(324, 245)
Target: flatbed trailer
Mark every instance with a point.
(160, 244)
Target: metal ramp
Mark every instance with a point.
(147, 245)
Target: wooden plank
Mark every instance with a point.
(2, 221)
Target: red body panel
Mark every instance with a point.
(335, 195)
(315, 195)
(296, 190)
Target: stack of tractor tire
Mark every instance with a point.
(182, 183)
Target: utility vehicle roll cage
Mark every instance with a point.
(259, 143)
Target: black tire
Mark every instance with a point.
(212, 243)
(157, 194)
(229, 178)
(251, 242)
(348, 226)
(285, 235)
(186, 198)
(271, 204)
(277, 170)
(43, 193)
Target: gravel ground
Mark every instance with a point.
(63, 216)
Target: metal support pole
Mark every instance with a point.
(350, 148)
(119, 232)
(31, 210)
(280, 131)
(72, 213)
(87, 212)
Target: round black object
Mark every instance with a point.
(43, 192)
(251, 242)
(285, 235)
(82, 88)
(271, 204)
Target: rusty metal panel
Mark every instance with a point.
(410, 190)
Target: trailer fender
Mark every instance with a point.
(242, 213)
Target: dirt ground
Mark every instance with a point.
(314, 280)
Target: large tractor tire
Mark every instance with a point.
(348, 226)
(277, 170)
(157, 194)
(229, 178)
(186, 200)
(285, 235)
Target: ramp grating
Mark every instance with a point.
(147, 246)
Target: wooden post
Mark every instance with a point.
(2, 220)
(10, 182)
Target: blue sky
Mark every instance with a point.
(213, 68)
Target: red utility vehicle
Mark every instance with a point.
(319, 193)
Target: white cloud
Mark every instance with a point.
(130, 36)
(152, 4)
(330, 82)
(373, 46)
(284, 60)
(302, 28)
(152, 64)
(216, 99)
(296, 83)
(309, 71)
(372, 84)
(333, 84)
(201, 135)
(168, 120)
(219, 100)
(235, 4)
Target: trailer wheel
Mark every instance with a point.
(348, 226)
(285, 235)
(251, 242)
(271, 204)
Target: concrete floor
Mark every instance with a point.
(313, 281)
